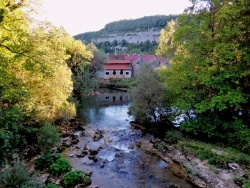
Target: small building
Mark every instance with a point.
(136, 61)
(116, 69)
(151, 59)
(123, 66)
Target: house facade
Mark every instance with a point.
(116, 69)
(123, 66)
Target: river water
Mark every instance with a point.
(120, 163)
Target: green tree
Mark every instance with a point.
(208, 73)
(148, 96)
(79, 60)
(48, 137)
(98, 60)
(36, 84)
(26, 56)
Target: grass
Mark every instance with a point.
(215, 155)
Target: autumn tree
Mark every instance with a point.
(78, 61)
(35, 74)
(98, 61)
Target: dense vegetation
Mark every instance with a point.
(124, 26)
(208, 80)
(207, 84)
(146, 47)
(140, 24)
(148, 96)
(209, 52)
(41, 68)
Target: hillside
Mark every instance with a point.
(128, 34)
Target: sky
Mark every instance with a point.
(79, 16)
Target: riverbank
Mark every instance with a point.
(182, 163)
(202, 164)
(119, 152)
(107, 147)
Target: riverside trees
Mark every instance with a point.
(147, 96)
(36, 65)
(209, 51)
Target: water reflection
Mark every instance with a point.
(113, 97)
(120, 163)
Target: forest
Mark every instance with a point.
(123, 26)
(146, 47)
(209, 74)
(44, 72)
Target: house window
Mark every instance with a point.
(114, 73)
(121, 72)
(127, 73)
(107, 73)
(107, 97)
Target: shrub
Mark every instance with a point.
(6, 146)
(87, 180)
(161, 145)
(45, 161)
(173, 136)
(188, 170)
(205, 154)
(73, 178)
(47, 138)
(51, 185)
(59, 167)
(65, 113)
(11, 140)
(246, 184)
(18, 176)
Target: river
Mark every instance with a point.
(120, 164)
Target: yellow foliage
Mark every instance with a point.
(36, 53)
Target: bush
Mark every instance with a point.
(233, 133)
(47, 138)
(73, 178)
(11, 141)
(65, 113)
(51, 185)
(59, 167)
(46, 160)
(161, 145)
(87, 180)
(173, 136)
(6, 146)
(246, 184)
(18, 176)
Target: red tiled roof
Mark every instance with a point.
(132, 58)
(119, 61)
(148, 58)
(117, 67)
